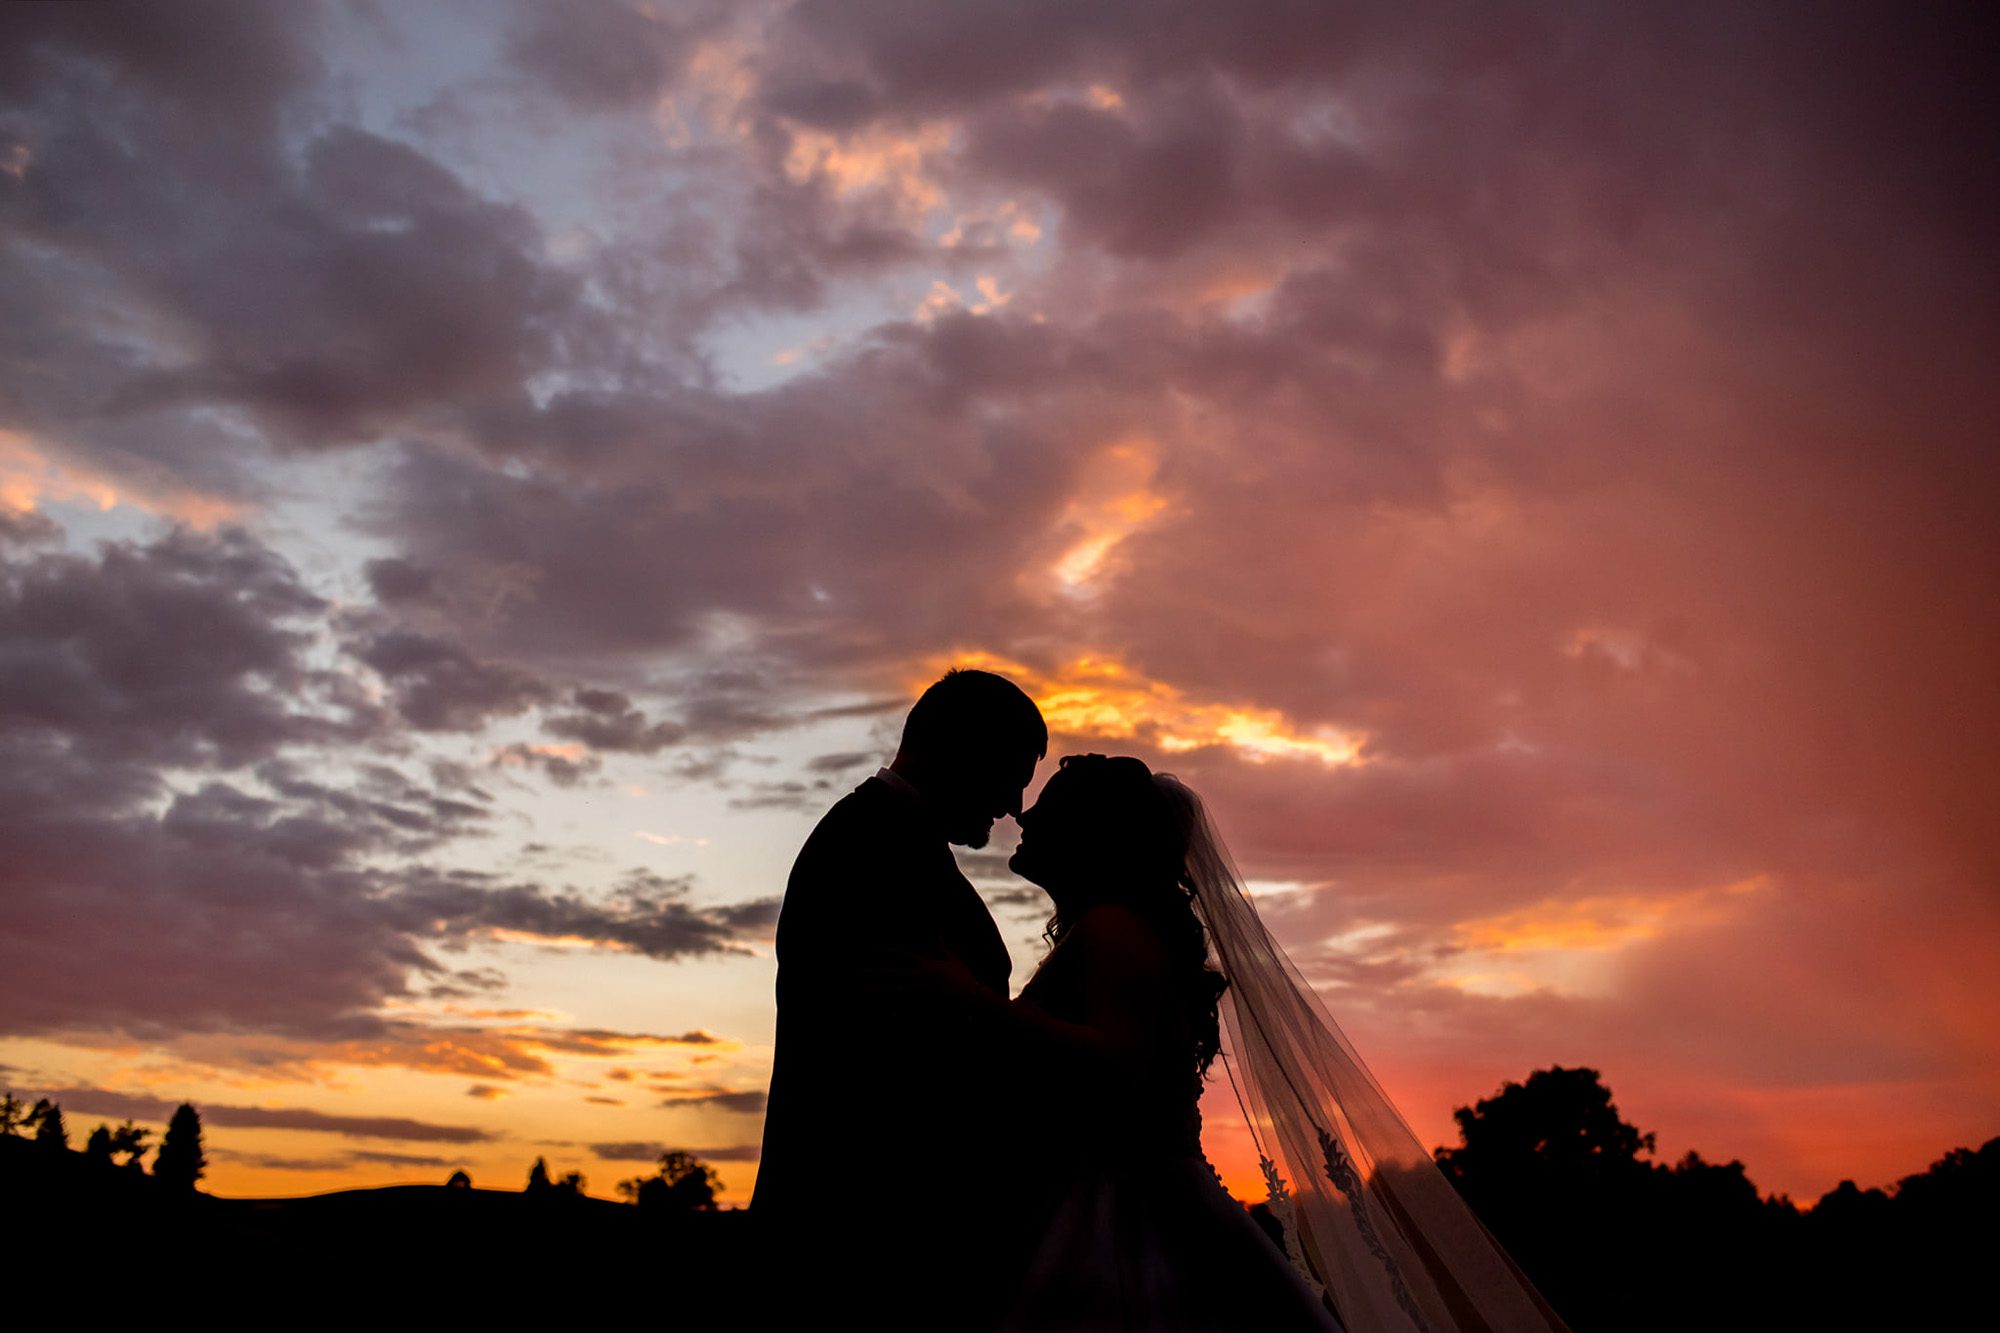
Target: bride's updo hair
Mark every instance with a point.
(1136, 856)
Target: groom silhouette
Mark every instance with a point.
(882, 1193)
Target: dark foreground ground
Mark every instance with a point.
(89, 1245)
(92, 1244)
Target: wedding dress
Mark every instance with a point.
(1145, 1237)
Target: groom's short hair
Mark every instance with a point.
(974, 709)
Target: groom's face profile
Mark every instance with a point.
(991, 786)
(970, 746)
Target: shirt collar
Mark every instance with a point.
(901, 784)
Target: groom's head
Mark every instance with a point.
(970, 745)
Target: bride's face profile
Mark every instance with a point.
(1094, 830)
(1047, 852)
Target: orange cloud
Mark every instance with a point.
(1099, 697)
(886, 163)
(490, 1055)
(1115, 498)
(30, 478)
(1601, 922)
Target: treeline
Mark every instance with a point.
(38, 1148)
(1617, 1241)
(44, 1133)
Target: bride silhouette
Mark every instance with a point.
(1116, 1031)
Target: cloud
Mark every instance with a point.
(104, 1101)
(606, 720)
(155, 888)
(650, 1152)
(744, 1101)
(1029, 900)
(188, 649)
(496, 1054)
(564, 765)
(438, 686)
(604, 55)
(647, 913)
(401, 1159)
(627, 1152)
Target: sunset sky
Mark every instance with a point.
(478, 481)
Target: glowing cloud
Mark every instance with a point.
(30, 479)
(1114, 500)
(885, 163)
(1100, 697)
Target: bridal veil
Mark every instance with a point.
(1367, 1214)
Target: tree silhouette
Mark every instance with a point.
(538, 1178)
(571, 1185)
(459, 1181)
(1556, 1173)
(1560, 1124)
(13, 1113)
(97, 1148)
(51, 1134)
(179, 1162)
(129, 1139)
(681, 1183)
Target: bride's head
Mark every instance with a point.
(1101, 830)
(1107, 829)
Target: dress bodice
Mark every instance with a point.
(1155, 1111)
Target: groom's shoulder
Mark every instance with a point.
(869, 812)
(874, 801)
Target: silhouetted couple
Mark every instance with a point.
(937, 1156)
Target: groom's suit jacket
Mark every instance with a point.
(882, 1170)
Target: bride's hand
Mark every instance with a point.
(904, 974)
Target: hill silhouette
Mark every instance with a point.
(1616, 1241)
